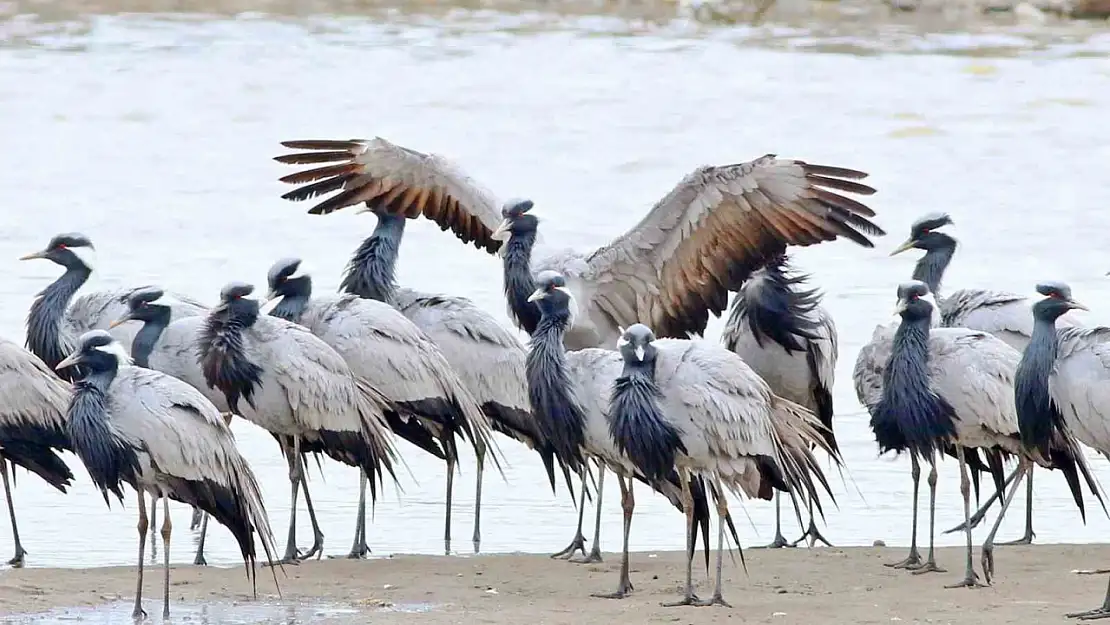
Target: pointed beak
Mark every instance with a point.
(1076, 305)
(538, 294)
(271, 296)
(908, 245)
(122, 320)
(33, 255)
(69, 361)
(640, 353)
(502, 232)
(901, 307)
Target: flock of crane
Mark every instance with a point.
(141, 383)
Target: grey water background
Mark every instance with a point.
(153, 134)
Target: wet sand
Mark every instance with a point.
(824, 585)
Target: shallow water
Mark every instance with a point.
(153, 135)
(208, 613)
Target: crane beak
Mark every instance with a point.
(69, 361)
(901, 307)
(503, 231)
(33, 255)
(538, 294)
(122, 320)
(1076, 305)
(908, 245)
(640, 353)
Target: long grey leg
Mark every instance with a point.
(987, 552)
(981, 513)
(295, 476)
(688, 507)
(914, 559)
(1027, 537)
(579, 541)
(144, 524)
(18, 561)
(450, 488)
(199, 559)
(195, 522)
(317, 534)
(971, 579)
(481, 456)
(166, 528)
(358, 547)
(595, 551)
(628, 504)
(930, 565)
(722, 514)
(779, 540)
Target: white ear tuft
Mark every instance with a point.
(114, 348)
(621, 341)
(302, 270)
(86, 255)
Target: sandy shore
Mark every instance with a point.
(834, 586)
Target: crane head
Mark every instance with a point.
(635, 342)
(1057, 301)
(924, 235)
(915, 301)
(71, 250)
(517, 218)
(96, 351)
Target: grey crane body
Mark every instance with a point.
(54, 323)
(161, 436)
(32, 425)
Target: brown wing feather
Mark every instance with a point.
(719, 224)
(393, 180)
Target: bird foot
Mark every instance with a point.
(578, 544)
(357, 553)
(812, 536)
(18, 561)
(593, 558)
(623, 590)
(199, 560)
(138, 614)
(986, 559)
(912, 561)
(928, 567)
(477, 545)
(1024, 540)
(971, 580)
(317, 549)
(778, 543)
(689, 599)
(717, 599)
(1091, 615)
(1092, 571)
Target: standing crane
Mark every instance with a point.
(698, 407)
(1005, 315)
(383, 347)
(780, 330)
(951, 385)
(670, 270)
(32, 426)
(161, 436)
(1063, 386)
(293, 385)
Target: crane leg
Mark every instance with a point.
(167, 527)
(971, 579)
(295, 477)
(1098, 613)
(317, 534)
(981, 513)
(987, 552)
(359, 549)
(198, 518)
(450, 489)
(481, 457)
(812, 534)
(1027, 537)
(930, 565)
(780, 540)
(688, 506)
(722, 514)
(595, 551)
(579, 541)
(628, 504)
(199, 559)
(144, 525)
(18, 561)
(914, 558)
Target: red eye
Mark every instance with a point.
(61, 246)
(925, 231)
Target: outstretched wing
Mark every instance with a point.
(708, 234)
(396, 180)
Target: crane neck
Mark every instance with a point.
(45, 334)
(295, 297)
(109, 460)
(1036, 412)
(147, 336)
(223, 353)
(637, 424)
(930, 268)
(370, 273)
(551, 394)
(909, 415)
(517, 267)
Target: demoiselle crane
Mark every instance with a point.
(383, 347)
(161, 436)
(570, 394)
(294, 385)
(696, 406)
(736, 215)
(951, 385)
(779, 328)
(32, 426)
(1063, 385)
(1005, 315)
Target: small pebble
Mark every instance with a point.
(879, 543)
